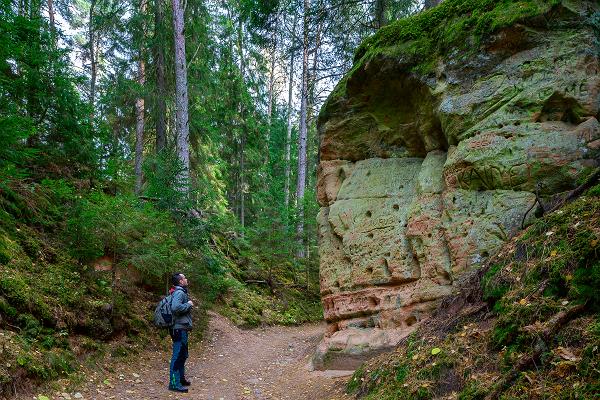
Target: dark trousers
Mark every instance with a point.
(180, 354)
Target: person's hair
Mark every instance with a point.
(176, 278)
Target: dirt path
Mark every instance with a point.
(259, 364)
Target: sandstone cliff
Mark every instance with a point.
(433, 148)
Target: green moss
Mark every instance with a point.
(504, 334)
(493, 289)
(355, 381)
(5, 253)
(454, 23)
(586, 281)
(419, 41)
(120, 351)
(251, 307)
(15, 288)
(594, 191)
(472, 391)
(401, 373)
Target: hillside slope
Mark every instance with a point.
(524, 326)
(81, 271)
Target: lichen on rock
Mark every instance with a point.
(433, 149)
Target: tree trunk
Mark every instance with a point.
(288, 140)
(302, 136)
(139, 113)
(161, 107)
(242, 184)
(311, 162)
(242, 149)
(270, 97)
(312, 75)
(271, 87)
(51, 17)
(91, 38)
(431, 3)
(380, 13)
(181, 98)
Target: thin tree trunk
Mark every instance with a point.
(271, 88)
(242, 184)
(161, 107)
(139, 113)
(91, 38)
(288, 141)
(311, 100)
(380, 13)
(51, 17)
(312, 75)
(242, 178)
(181, 98)
(302, 137)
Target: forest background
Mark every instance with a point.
(156, 136)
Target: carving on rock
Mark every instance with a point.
(424, 176)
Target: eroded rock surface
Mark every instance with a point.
(424, 174)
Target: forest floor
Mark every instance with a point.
(260, 364)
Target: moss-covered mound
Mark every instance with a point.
(454, 24)
(57, 313)
(461, 69)
(526, 326)
(420, 41)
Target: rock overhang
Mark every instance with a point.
(427, 168)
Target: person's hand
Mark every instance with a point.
(190, 303)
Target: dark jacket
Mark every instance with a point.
(182, 311)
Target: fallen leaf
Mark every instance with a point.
(566, 354)
(436, 350)
(553, 253)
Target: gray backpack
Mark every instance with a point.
(163, 315)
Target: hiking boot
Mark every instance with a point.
(185, 382)
(179, 389)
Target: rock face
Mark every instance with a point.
(428, 166)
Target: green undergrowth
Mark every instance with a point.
(264, 286)
(532, 332)
(62, 310)
(56, 312)
(253, 306)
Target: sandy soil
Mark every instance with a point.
(259, 364)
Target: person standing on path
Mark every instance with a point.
(181, 308)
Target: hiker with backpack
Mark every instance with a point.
(175, 312)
